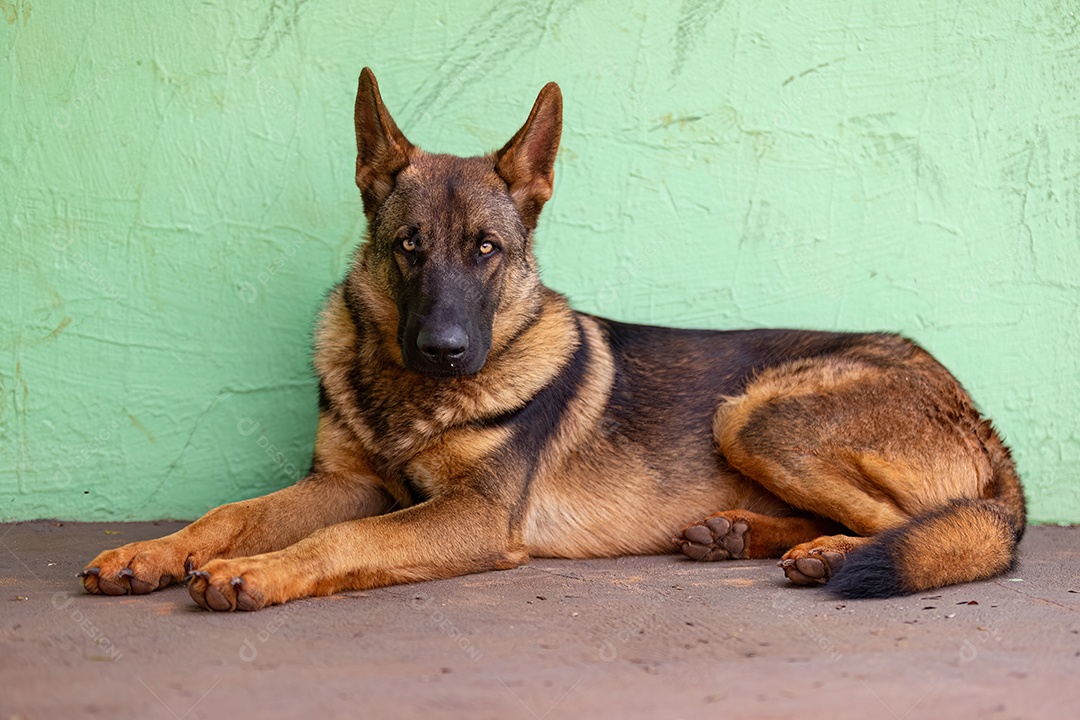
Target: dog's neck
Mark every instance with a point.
(417, 409)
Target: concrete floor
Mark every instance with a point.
(640, 637)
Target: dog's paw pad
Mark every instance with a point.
(217, 600)
(247, 598)
(114, 585)
(699, 534)
(141, 587)
(715, 538)
(811, 567)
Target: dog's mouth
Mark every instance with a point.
(443, 372)
(445, 369)
(440, 362)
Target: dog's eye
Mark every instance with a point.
(486, 247)
(407, 238)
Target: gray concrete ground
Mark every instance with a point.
(652, 637)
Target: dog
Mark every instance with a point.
(469, 420)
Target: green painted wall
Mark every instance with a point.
(177, 196)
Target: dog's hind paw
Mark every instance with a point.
(714, 538)
(815, 568)
(815, 562)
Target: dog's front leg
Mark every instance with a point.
(451, 535)
(241, 528)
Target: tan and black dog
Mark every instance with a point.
(470, 420)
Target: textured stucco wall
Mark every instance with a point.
(177, 196)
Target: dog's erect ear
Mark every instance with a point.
(381, 149)
(527, 162)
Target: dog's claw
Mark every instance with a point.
(90, 579)
(192, 574)
(237, 582)
(126, 573)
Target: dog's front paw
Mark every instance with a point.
(236, 584)
(136, 568)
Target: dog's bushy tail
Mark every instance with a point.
(966, 540)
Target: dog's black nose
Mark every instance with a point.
(443, 345)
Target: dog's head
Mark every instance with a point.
(449, 249)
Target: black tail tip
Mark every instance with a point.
(869, 572)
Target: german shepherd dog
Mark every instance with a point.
(470, 419)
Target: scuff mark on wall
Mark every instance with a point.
(694, 18)
(137, 424)
(279, 21)
(15, 9)
(506, 34)
(821, 66)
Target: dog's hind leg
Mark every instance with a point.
(891, 449)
